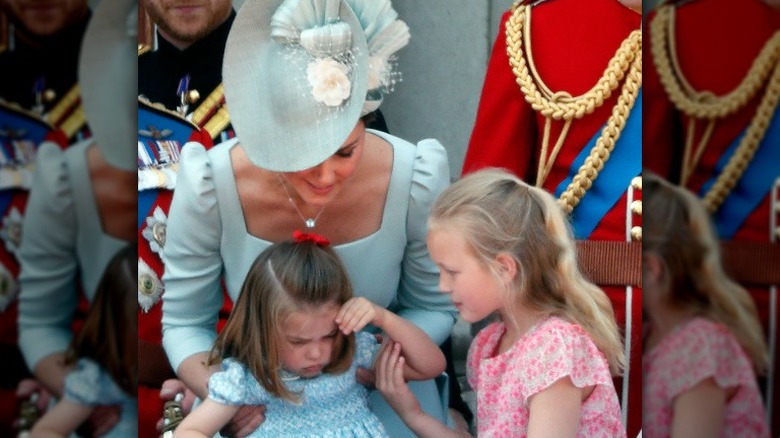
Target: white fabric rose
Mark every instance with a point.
(329, 81)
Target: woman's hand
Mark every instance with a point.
(358, 312)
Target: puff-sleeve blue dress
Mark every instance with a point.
(339, 398)
(207, 240)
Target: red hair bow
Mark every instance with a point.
(300, 236)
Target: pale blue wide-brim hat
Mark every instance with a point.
(285, 74)
(108, 80)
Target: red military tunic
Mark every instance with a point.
(717, 41)
(162, 133)
(572, 43)
(22, 133)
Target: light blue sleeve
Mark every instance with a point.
(236, 386)
(89, 384)
(418, 294)
(47, 256)
(193, 264)
(366, 348)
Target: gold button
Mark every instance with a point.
(636, 183)
(636, 233)
(636, 207)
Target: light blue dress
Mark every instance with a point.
(207, 240)
(338, 398)
(89, 384)
(63, 242)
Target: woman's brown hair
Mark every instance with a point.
(286, 277)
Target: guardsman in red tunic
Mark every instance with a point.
(712, 125)
(561, 108)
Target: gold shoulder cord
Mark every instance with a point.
(561, 105)
(706, 106)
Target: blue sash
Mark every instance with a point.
(754, 184)
(146, 199)
(625, 162)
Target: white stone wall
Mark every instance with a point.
(443, 68)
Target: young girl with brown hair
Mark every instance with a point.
(293, 343)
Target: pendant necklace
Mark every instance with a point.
(309, 222)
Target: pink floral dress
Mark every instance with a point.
(691, 353)
(551, 350)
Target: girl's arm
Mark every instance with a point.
(555, 412)
(206, 420)
(390, 382)
(424, 359)
(699, 411)
(62, 420)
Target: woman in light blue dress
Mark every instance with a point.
(303, 158)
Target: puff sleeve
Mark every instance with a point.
(48, 260)
(89, 384)
(418, 293)
(193, 264)
(236, 386)
(711, 351)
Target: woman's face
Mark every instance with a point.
(319, 185)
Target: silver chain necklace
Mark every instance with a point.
(310, 222)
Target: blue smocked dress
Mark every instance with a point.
(331, 405)
(89, 384)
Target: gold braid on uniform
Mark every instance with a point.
(626, 63)
(705, 105)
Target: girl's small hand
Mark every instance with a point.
(358, 312)
(390, 381)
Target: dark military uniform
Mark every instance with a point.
(161, 71)
(43, 79)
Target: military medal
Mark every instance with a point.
(154, 232)
(150, 287)
(12, 230)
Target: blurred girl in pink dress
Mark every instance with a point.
(703, 344)
(545, 367)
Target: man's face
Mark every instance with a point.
(183, 22)
(45, 17)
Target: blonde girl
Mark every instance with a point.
(703, 344)
(103, 357)
(545, 367)
(292, 344)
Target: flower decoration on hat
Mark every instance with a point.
(315, 26)
(329, 81)
(385, 35)
(329, 40)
